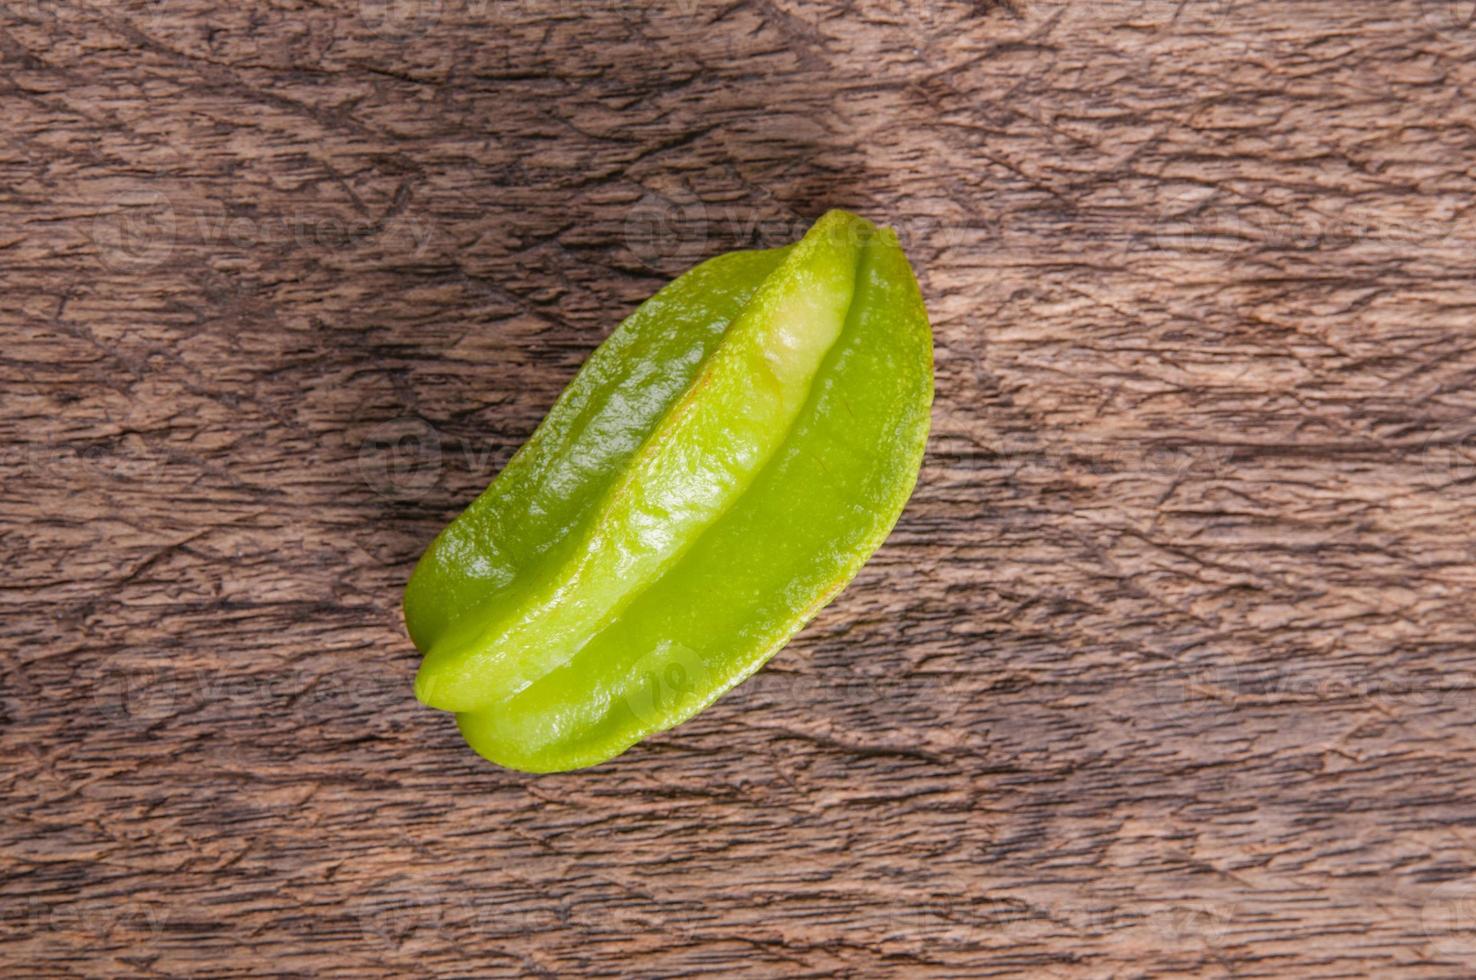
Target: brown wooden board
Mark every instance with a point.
(1168, 668)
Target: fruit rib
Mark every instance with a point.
(822, 504)
(692, 468)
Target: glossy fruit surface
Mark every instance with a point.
(721, 467)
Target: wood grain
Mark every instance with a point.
(1167, 669)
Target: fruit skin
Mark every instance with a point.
(820, 497)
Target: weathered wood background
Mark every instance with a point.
(1168, 667)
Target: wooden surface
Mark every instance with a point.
(1168, 667)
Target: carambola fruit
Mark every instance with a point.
(714, 475)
